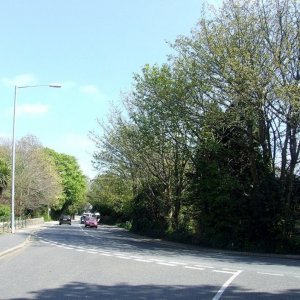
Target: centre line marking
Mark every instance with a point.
(232, 270)
(207, 267)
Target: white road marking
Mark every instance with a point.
(134, 257)
(197, 267)
(177, 263)
(156, 260)
(230, 270)
(223, 271)
(226, 285)
(124, 257)
(105, 254)
(271, 274)
(206, 267)
(45, 242)
(142, 260)
(194, 268)
(166, 264)
(118, 254)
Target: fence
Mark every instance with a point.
(5, 225)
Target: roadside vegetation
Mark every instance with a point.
(207, 147)
(47, 183)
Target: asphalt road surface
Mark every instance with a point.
(73, 262)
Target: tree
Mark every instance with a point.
(37, 185)
(249, 56)
(74, 183)
(4, 175)
(217, 128)
(111, 195)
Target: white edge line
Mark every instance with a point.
(177, 263)
(166, 264)
(142, 260)
(225, 285)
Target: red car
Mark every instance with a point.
(90, 222)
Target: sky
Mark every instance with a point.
(92, 48)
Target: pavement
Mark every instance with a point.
(11, 242)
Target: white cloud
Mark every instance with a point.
(22, 79)
(89, 89)
(32, 109)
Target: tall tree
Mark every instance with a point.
(73, 181)
(37, 185)
(249, 56)
(111, 195)
(223, 117)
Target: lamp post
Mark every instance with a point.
(53, 85)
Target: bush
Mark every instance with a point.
(4, 211)
(127, 225)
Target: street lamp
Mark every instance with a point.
(52, 85)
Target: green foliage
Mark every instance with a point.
(36, 182)
(73, 182)
(126, 225)
(150, 211)
(4, 175)
(211, 145)
(4, 212)
(110, 195)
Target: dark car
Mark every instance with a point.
(65, 219)
(90, 222)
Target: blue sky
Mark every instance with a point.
(92, 48)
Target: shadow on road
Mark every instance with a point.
(80, 290)
(110, 238)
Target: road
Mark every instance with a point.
(73, 262)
